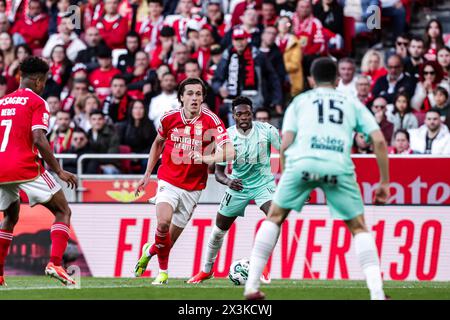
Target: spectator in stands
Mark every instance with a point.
(240, 8)
(100, 78)
(234, 77)
(414, 59)
(12, 71)
(149, 29)
(309, 30)
(396, 11)
(7, 48)
(137, 132)
(292, 54)
(126, 61)
(192, 35)
(363, 90)
(88, 56)
(430, 77)
(216, 56)
(249, 25)
(442, 102)
(273, 53)
(136, 79)
(83, 109)
(203, 53)
(372, 65)
(262, 115)
(113, 28)
(60, 137)
(395, 81)
(4, 23)
(431, 138)
(361, 145)
(79, 89)
(193, 70)
(60, 70)
(401, 143)
(331, 14)
(378, 108)
(65, 37)
(402, 116)
(215, 18)
(93, 10)
(185, 16)
(116, 104)
(103, 138)
(163, 50)
(433, 39)
(79, 146)
(3, 86)
(32, 27)
(401, 46)
(180, 57)
(347, 79)
(268, 13)
(167, 100)
(54, 105)
(443, 58)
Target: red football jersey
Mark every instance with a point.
(183, 136)
(114, 31)
(101, 80)
(21, 112)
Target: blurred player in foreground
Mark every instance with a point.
(251, 179)
(189, 138)
(24, 119)
(315, 152)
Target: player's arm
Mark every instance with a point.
(41, 143)
(153, 157)
(223, 153)
(380, 150)
(286, 141)
(221, 177)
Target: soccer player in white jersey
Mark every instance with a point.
(315, 152)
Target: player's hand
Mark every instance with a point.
(382, 194)
(235, 184)
(68, 177)
(142, 184)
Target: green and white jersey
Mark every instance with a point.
(324, 121)
(252, 161)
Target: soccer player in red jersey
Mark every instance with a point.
(24, 118)
(189, 139)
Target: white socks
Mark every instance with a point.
(214, 243)
(367, 254)
(265, 241)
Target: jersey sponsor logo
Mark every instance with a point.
(327, 143)
(9, 112)
(45, 118)
(14, 100)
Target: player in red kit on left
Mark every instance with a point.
(189, 139)
(24, 119)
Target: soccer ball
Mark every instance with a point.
(239, 271)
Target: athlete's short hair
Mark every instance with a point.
(241, 100)
(324, 70)
(189, 81)
(33, 66)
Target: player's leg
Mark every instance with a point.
(290, 194)
(46, 191)
(345, 202)
(222, 225)
(10, 205)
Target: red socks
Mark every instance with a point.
(60, 236)
(5, 242)
(163, 245)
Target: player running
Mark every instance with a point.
(24, 118)
(315, 152)
(186, 139)
(251, 179)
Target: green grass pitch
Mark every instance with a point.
(37, 287)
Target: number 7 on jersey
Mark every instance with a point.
(8, 125)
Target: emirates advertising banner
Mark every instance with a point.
(414, 180)
(106, 240)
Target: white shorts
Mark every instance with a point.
(182, 201)
(38, 191)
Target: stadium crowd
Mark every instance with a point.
(115, 66)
